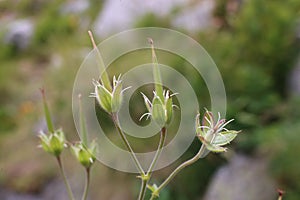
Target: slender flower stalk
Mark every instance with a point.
(143, 189)
(157, 190)
(83, 151)
(146, 179)
(213, 136)
(54, 143)
(87, 184)
(163, 135)
(62, 171)
(127, 144)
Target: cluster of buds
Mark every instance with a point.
(160, 109)
(110, 99)
(85, 155)
(54, 143)
(213, 134)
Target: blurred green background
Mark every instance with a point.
(254, 43)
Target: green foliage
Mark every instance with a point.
(281, 142)
(258, 51)
(7, 120)
(151, 20)
(254, 52)
(53, 25)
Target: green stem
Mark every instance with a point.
(127, 144)
(62, 171)
(143, 189)
(152, 197)
(163, 134)
(87, 183)
(178, 169)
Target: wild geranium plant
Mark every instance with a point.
(211, 130)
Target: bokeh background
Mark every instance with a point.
(254, 43)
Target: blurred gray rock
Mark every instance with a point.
(75, 7)
(53, 190)
(9, 195)
(294, 80)
(242, 178)
(19, 33)
(118, 15)
(195, 18)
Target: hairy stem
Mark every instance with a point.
(62, 171)
(178, 169)
(163, 134)
(87, 184)
(143, 189)
(127, 144)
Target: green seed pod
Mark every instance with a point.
(169, 109)
(158, 112)
(109, 101)
(53, 143)
(84, 155)
(117, 96)
(103, 97)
